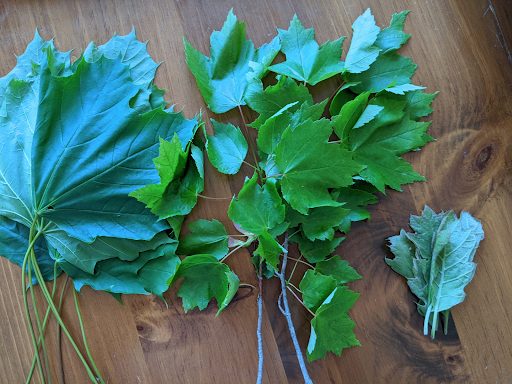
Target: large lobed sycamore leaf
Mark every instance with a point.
(76, 140)
(234, 67)
(437, 260)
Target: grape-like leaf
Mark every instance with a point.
(338, 269)
(226, 148)
(332, 330)
(257, 208)
(204, 278)
(306, 61)
(315, 288)
(269, 249)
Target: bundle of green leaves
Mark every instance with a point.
(87, 147)
(437, 261)
(319, 163)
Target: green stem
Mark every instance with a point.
(41, 338)
(32, 240)
(49, 300)
(45, 322)
(84, 337)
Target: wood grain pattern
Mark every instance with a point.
(463, 50)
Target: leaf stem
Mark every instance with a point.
(248, 137)
(212, 198)
(287, 314)
(301, 261)
(84, 337)
(32, 240)
(49, 300)
(232, 251)
(41, 339)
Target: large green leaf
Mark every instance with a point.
(205, 278)
(306, 61)
(131, 52)
(234, 67)
(77, 139)
(310, 165)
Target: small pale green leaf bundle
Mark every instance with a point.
(321, 162)
(437, 261)
(78, 140)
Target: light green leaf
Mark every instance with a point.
(362, 52)
(257, 208)
(233, 68)
(332, 330)
(349, 115)
(402, 89)
(306, 61)
(369, 113)
(226, 148)
(437, 260)
(205, 237)
(315, 288)
(419, 104)
(306, 175)
(393, 37)
(269, 249)
(205, 278)
(273, 98)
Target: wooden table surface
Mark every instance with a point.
(463, 50)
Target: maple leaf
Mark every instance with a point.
(204, 278)
(306, 61)
(306, 175)
(225, 78)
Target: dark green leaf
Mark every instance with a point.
(205, 237)
(338, 269)
(257, 208)
(205, 278)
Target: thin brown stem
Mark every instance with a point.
(212, 198)
(301, 261)
(248, 138)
